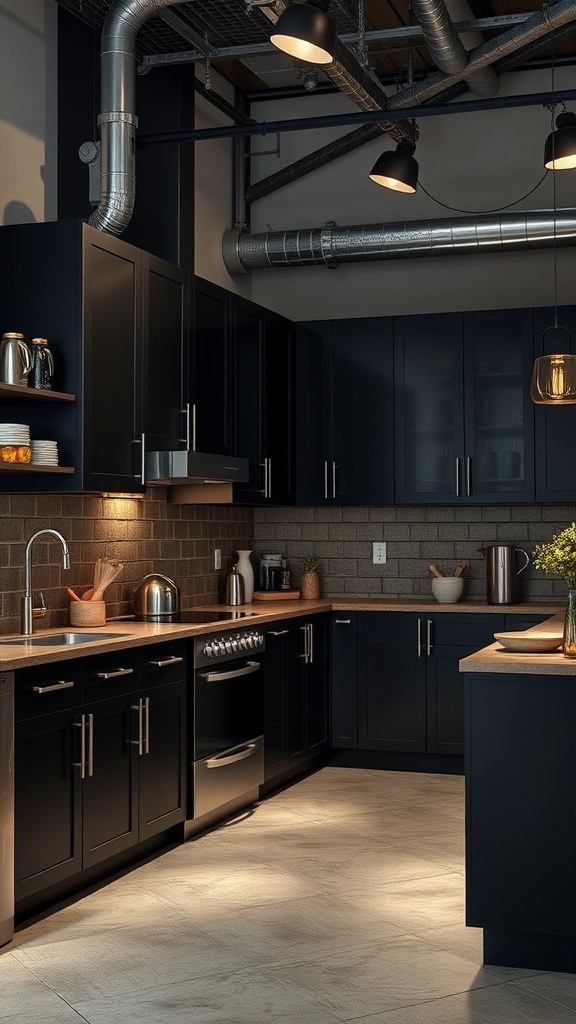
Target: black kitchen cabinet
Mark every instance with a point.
(345, 413)
(295, 694)
(344, 679)
(263, 403)
(464, 425)
(555, 455)
(210, 368)
(165, 333)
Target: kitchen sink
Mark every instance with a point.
(60, 639)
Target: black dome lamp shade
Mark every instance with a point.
(306, 31)
(560, 148)
(397, 169)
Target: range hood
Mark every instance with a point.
(196, 476)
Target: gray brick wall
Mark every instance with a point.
(416, 536)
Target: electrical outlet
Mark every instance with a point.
(217, 558)
(379, 552)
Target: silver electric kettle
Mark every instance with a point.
(502, 572)
(157, 599)
(15, 359)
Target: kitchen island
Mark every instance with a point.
(520, 765)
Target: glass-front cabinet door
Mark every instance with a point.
(499, 427)
(429, 408)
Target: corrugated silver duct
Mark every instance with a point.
(457, 236)
(446, 47)
(118, 121)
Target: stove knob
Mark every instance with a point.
(208, 652)
(221, 647)
(250, 640)
(244, 643)
(235, 644)
(228, 646)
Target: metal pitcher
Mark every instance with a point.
(502, 572)
(15, 359)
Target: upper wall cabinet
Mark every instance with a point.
(115, 319)
(263, 402)
(210, 360)
(464, 423)
(555, 427)
(345, 413)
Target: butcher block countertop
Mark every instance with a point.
(137, 634)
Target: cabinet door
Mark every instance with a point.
(391, 698)
(363, 411)
(555, 458)
(278, 397)
(165, 332)
(344, 683)
(209, 368)
(317, 686)
(314, 480)
(275, 666)
(499, 427)
(48, 808)
(429, 441)
(296, 695)
(162, 759)
(112, 352)
(248, 345)
(445, 701)
(110, 791)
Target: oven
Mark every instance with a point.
(227, 721)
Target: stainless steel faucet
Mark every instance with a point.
(27, 609)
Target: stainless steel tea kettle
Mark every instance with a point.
(15, 359)
(502, 572)
(157, 599)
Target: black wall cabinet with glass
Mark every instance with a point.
(555, 426)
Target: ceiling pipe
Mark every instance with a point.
(446, 47)
(117, 120)
(331, 245)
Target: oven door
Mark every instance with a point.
(228, 775)
(228, 706)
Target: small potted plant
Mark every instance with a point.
(309, 578)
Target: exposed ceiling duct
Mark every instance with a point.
(446, 48)
(331, 245)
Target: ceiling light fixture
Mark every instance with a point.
(306, 31)
(560, 148)
(397, 169)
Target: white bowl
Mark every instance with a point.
(528, 642)
(447, 589)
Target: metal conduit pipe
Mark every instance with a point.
(331, 245)
(118, 121)
(446, 47)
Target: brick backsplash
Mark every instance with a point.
(416, 536)
(147, 535)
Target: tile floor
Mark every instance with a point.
(338, 899)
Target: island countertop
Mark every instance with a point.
(496, 659)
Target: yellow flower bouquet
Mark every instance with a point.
(558, 558)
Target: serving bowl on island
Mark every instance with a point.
(530, 643)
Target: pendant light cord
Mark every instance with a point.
(497, 209)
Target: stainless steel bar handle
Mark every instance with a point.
(419, 640)
(81, 764)
(269, 478)
(311, 642)
(116, 672)
(468, 477)
(457, 477)
(264, 490)
(277, 632)
(194, 427)
(187, 424)
(305, 655)
(64, 684)
(326, 479)
(429, 637)
(138, 743)
(90, 745)
(143, 457)
(146, 725)
(334, 468)
(172, 660)
(221, 762)
(214, 677)
(342, 622)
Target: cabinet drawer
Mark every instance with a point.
(388, 627)
(467, 628)
(47, 688)
(108, 675)
(162, 663)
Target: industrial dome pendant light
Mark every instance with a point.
(306, 31)
(560, 148)
(397, 169)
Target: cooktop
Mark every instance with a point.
(200, 616)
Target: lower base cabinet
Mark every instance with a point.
(295, 694)
(95, 777)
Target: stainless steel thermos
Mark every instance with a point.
(502, 572)
(234, 589)
(15, 359)
(42, 364)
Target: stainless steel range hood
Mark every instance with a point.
(196, 476)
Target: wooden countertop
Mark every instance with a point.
(137, 634)
(496, 658)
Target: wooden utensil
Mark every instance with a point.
(435, 570)
(71, 594)
(87, 595)
(108, 572)
(460, 568)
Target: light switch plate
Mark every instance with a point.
(379, 552)
(217, 558)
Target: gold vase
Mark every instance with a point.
(569, 638)
(310, 586)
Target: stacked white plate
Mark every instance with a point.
(45, 453)
(14, 433)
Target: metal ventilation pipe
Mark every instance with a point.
(446, 47)
(456, 236)
(118, 121)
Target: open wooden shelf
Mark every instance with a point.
(28, 467)
(22, 393)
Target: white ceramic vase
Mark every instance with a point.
(244, 568)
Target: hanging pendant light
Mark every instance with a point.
(560, 148)
(397, 169)
(554, 379)
(306, 31)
